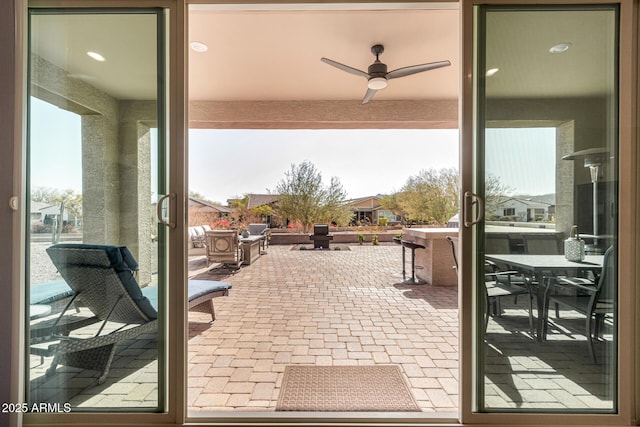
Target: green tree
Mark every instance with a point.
(240, 208)
(495, 193)
(391, 202)
(302, 197)
(431, 197)
(196, 195)
(262, 211)
(334, 209)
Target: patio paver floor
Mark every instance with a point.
(324, 308)
(343, 308)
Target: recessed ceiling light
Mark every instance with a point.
(198, 47)
(491, 71)
(560, 47)
(96, 56)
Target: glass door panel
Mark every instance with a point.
(547, 170)
(94, 249)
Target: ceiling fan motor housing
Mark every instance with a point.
(377, 69)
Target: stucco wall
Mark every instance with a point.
(116, 161)
(136, 224)
(406, 114)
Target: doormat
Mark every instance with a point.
(379, 388)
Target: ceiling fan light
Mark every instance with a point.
(377, 83)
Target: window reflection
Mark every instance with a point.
(92, 249)
(548, 290)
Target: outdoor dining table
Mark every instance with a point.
(540, 268)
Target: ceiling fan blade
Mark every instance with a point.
(345, 67)
(413, 69)
(368, 95)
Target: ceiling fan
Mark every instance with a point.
(377, 74)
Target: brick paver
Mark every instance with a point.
(344, 307)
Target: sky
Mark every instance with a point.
(524, 159)
(227, 163)
(56, 147)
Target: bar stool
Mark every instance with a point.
(413, 246)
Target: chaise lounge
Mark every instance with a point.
(102, 279)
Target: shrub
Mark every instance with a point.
(360, 238)
(383, 222)
(40, 227)
(69, 228)
(222, 224)
(374, 240)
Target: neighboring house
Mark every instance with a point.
(202, 212)
(271, 200)
(47, 214)
(524, 210)
(368, 210)
(36, 211)
(256, 200)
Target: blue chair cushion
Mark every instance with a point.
(197, 288)
(48, 292)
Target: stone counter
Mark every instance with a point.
(434, 263)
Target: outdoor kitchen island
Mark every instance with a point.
(434, 263)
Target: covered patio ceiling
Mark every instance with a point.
(274, 55)
(262, 64)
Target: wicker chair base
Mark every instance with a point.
(97, 359)
(94, 353)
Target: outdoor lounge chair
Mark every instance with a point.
(223, 246)
(261, 229)
(102, 279)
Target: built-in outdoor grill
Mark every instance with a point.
(321, 236)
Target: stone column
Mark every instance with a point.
(565, 178)
(137, 227)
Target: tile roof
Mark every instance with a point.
(208, 205)
(256, 200)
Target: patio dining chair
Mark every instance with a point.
(542, 244)
(495, 289)
(497, 243)
(595, 299)
(501, 243)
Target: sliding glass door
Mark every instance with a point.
(95, 261)
(546, 172)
